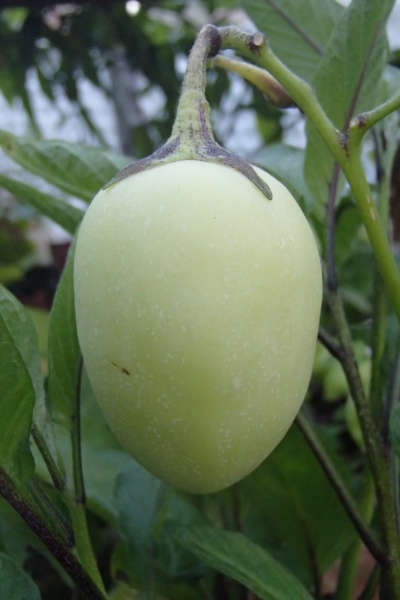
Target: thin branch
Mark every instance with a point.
(347, 500)
(330, 344)
(59, 550)
(361, 123)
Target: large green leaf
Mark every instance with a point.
(64, 214)
(24, 334)
(64, 352)
(297, 30)
(15, 584)
(289, 498)
(347, 81)
(76, 169)
(20, 382)
(235, 555)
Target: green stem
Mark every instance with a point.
(346, 357)
(355, 175)
(376, 454)
(57, 548)
(77, 505)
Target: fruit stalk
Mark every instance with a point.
(192, 137)
(193, 107)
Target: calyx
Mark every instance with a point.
(192, 137)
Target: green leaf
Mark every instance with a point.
(23, 331)
(236, 556)
(19, 382)
(64, 353)
(64, 214)
(297, 30)
(15, 584)
(78, 170)
(347, 81)
(289, 498)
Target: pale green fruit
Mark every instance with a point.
(197, 304)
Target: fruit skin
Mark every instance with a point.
(197, 305)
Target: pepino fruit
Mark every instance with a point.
(198, 293)
(197, 304)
